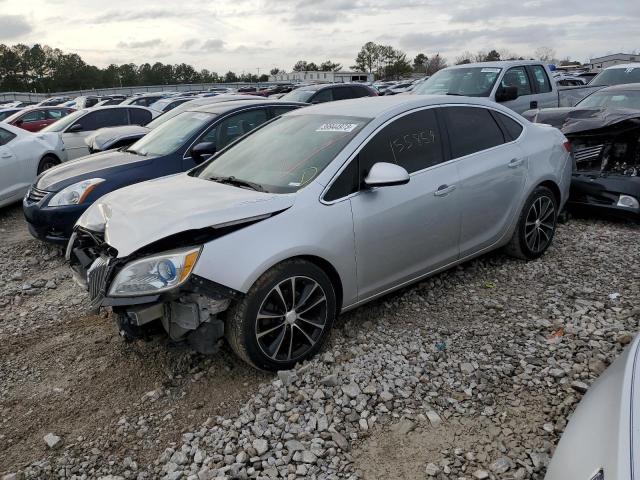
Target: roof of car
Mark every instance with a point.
(622, 87)
(371, 107)
(624, 65)
(320, 86)
(500, 64)
(223, 107)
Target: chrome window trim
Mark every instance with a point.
(417, 172)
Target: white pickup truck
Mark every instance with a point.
(519, 84)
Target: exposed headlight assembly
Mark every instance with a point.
(74, 194)
(154, 274)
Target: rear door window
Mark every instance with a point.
(412, 141)
(358, 92)
(139, 116)
(471, 130)
(322, 96)
(35, 116)
(57, 113)
(6, 136)
(342, 93)
(235, 127)
(543, 85)
(111, 117)
(517, 77)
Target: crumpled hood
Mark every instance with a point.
(103, 138)
(576, 119)
(140, 214)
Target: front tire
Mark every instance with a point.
(285, 317)
(47, 162)
(536, 225)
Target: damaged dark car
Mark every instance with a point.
(604, 132)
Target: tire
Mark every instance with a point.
(266, 328)
(536, 225)
(47, 162)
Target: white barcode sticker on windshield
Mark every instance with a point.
(337, 127)
(490, 70)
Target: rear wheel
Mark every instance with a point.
(284, 318)
(536, 225)
(47, 162)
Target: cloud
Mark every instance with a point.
(13, 26)
(129, 16)
(141, 44)
(213, 44)
(189, 43)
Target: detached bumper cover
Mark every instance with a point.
(596, 192)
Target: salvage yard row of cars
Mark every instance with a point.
(260, 220)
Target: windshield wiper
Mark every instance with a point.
(238, 183)
(456, 94)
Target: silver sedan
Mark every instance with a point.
(317, 212)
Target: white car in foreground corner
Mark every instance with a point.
(23, 156)
(602, 440)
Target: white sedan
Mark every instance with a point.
(23, 156)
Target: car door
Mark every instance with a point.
(11, 175)
(228, 130)
(492, 168)
(544, 94)
(74, 140)
(405, 231)
(518, 77)
(32, 121)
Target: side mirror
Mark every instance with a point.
(505, 94)
(76, 127)
(19, 122)
(199, 151)
(384, 174)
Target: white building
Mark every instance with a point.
(329, 77)
(600, 63)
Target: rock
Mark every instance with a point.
(293, 446)
(340, 440)
(53, 441)
(51, 284)
(261, 446)
(330, 380)
(467, 368)
(624, 339)
(405, 426)
(480, 474)
(434, 418)
(351, 390)
(287, 377)
(431, 470)
(501, 465)
(579, 386)
(309, 457)
(386, 396)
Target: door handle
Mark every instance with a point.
(5, 155)
(515, 162)
(533, 104)
(444, 190)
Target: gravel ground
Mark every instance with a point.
(471, 374)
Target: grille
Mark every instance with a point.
(35, 194)
(588, 153)
(97, 279)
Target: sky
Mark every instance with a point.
(258, 35)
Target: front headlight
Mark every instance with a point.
(74, 194)
(627, 201)
(154, 274)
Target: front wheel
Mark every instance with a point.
(536, 225)
(285, 317)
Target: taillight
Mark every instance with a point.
(567, 146)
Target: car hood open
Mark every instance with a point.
(138, 215)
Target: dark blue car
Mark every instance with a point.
(60, 195)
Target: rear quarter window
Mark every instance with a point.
(471, 130)
(511, 128)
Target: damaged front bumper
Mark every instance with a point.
(611, 195)
(188, 312)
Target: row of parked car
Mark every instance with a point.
(260, 220)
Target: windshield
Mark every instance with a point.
(617, 76)
(616, 99)
(287, 154)
(298, 95)
(471, 82)
(64, 122)
(172, 135)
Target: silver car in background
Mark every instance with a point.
(602, 439)
(317, 212)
